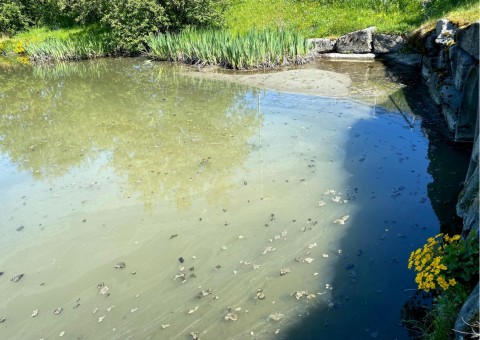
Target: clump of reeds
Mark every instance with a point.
(252, 49)
(72, 48)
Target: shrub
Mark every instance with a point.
(12, 20)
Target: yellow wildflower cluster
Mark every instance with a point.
(427, 262)
(19, 49)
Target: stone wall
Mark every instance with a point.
(449, 61)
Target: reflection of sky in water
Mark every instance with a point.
(225, 173)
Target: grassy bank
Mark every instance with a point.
(250, 36)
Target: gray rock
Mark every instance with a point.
(467, 127)
(467, 39)
(434, 84)
(463, 64)
(467, 316)
(412, 59)
(445, 32)
(356, 42)
(449, 95)
(387, 43)
(450, 116)
(323, 45)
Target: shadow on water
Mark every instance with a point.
(422, 203)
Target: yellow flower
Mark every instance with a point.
(452, 282)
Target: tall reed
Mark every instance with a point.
(72, 48)
(252, 49)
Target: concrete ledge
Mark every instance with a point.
(349, 56)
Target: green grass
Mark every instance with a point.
(326, 18)
(42, 44)
(250, 49)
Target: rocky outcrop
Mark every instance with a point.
(387, 43)
(356, 42)
(323, 45)
(451, 73)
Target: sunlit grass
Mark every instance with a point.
(323, 18)
(250, 49)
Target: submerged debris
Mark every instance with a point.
(103, 288)
(193, 310)
(204, 293)
(276, 316)
(2, 320)
(231, 317)
(284, 271)
(58, 310)
(312, 245)
(194, 335)
(17, 278)
(35, 313)
(341, 220)
(120, 265)
(268, 249)
(260, 294)
(308, 260)
(321, 203)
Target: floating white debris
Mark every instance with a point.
(341, 220)
(312, 245)
(62, 333)
(194, 257)
(240, 237)
(234, 272)
(284, 271)
(110, 308)
(308, 260)
(94, 310)
(299, 294)
(327, 286)
(133, 310)
(277, 237)
(284, 233)
(277, 331)
(35, 313)
(336, 199)
(315, 274)
(325, 255)
(268, 249)
(321, 203)
(104, 290)
(58, 310)
(330, 191)
(224, 248)
(165, 326)
(100, 319)
(311, 296)
(345, 201)
(256, 266)
(231, 317)
(193, 310)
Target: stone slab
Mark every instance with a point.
(356, 42)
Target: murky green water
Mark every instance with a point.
(198, 185)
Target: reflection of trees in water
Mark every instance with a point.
(169, 136)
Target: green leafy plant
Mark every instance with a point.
(447, 266)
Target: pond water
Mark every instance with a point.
(231, 212)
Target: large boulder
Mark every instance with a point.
(323, 45)
(463, 62)
(387, 43)
(356, 42)
(467, 39)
